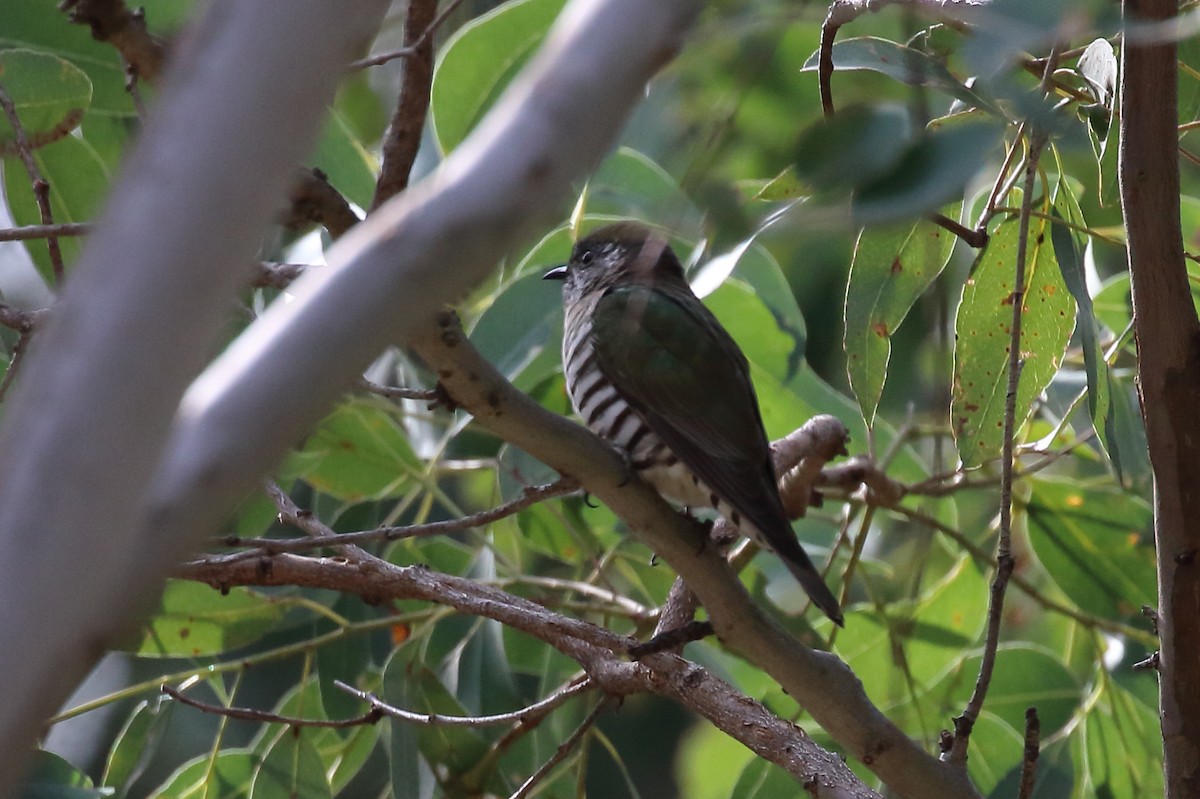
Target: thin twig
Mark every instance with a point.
(250, 714)
(400, 392)
(319, 535)
(1005, 562)
(21, 321)
(28, 232)
(1001, 186)
(563, 750)
(314, 200)
(409, 51)
(403, 138)
(271, 274)
(111, 21)
(41, 188)
(529, 713)
(976, 239)
(14, 361)
(1033, 729)
(1029, 589)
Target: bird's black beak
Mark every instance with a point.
(557, 273)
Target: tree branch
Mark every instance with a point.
(598, 650)
(1168, 380)
(148, 298)
(403, 137)
(819, 681)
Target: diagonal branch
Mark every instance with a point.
(599, 651)
(820, 682)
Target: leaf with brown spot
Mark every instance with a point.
(892, 267)
(981, 362)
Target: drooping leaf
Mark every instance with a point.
(227, 775)
(50, 95)
(358, 452)
(290, 769)
(480, 60)
(1068, 252)
(892, 267)
(905, 64)
(983, 335)
(1094, 544)
(193, 620)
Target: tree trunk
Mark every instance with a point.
(1168, 344)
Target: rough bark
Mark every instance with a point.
(1168, 344)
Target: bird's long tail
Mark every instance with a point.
(800, 565)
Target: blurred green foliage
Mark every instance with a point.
(897, 328)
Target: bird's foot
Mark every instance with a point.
(630, 471)
(672, 639)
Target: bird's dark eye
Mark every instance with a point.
(586, 257)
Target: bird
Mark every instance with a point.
(650, 370)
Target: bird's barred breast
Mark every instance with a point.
(608, 415)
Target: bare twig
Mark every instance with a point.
(563, 750)
(842, 12)
(525, 715)
(28, 232)
(598, 650)
(400, 392)
(403, 138)
(314, 200)
(251, 714)
(41, 188)
(409, 51)
(320, 535)
(1033, 729)
(1005, 562)
(21, 321)
(111, 21)
(14, 361)
(276, 275)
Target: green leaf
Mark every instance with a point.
(194, 620)
(351, 168)
(290, 769)
(50, 94)
(995, 748)
(630, 185)
(932, 172)
(520, 331)
(709, 762)
(787, 185)
(79, 181)
(858, 145)
(1094, 544)
(947, 620)
(358, 452)
(412, 685)
(52, 777)
(227, 776)
(892, 267)
(982, 332)
(1068, 251)
(136, 743)
(1024, 676)
(905, 64)
(1121, 739)
(480, 60)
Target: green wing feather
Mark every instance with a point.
(669, 357)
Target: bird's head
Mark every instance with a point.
(619, 253)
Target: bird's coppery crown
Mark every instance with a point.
(635, 249)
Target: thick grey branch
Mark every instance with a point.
(84, 430)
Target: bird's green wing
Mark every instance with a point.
(667, 355)
(671, 359)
